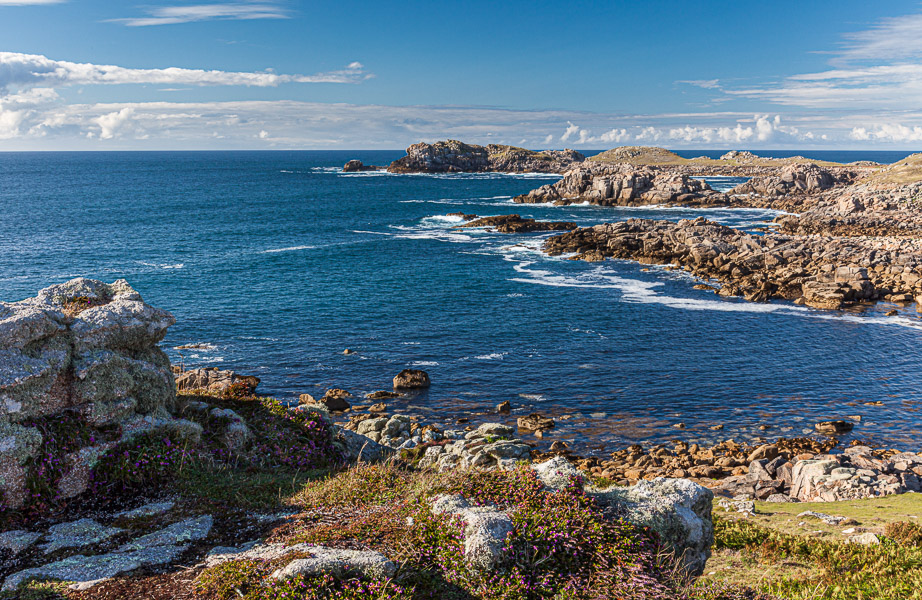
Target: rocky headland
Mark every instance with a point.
(850, 235)
(625, 185)
(452, 156)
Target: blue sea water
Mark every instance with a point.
(276, 261)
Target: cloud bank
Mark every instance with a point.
(19, 71)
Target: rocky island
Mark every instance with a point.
(452, 156)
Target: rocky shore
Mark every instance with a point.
(452, 156)
(116, 484)
(850, 235)
(822, 272)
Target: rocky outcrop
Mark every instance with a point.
(84, 570)
(485, 529)
(211, 379)
(679, 510)
(490, 446)
(516, 224)
(452, 156)
(88, 350)
(357, 166)
(820, 272)
(798, 178)
(625, 185)
(860, 210)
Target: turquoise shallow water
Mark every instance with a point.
(276, 262)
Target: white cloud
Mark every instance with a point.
(236, 11)
(111, 123)
(30, 70)
(615, 136)
(549, 139)
(39, 119)
(889, 132)
(570, 132)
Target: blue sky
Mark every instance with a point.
(167, 74)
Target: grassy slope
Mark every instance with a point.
(906, 171)
(652, 155)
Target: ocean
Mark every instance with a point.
(275, 262)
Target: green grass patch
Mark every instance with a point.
(801, 568)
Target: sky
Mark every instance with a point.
(290, 74)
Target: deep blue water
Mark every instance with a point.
(278, 262)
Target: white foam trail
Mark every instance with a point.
(424, 363)
(202, 346)
(162, 265)
(444, 219)
(642, 292)
(492, 356)
(289, 249)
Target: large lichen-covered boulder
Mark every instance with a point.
(86, 347)
(679, 510)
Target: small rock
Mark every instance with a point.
(77, 534)
(148, 510)
(504, 408)
(335, 400)
(535, 422)
(866, 539)
(485, 531)
(411, 379)
(347, 352)
(18, 540)
(834, 427)
(367, 563)
(382, 395)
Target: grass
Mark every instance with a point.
(819, 569)
(771, 552)
(904, 172)
(871, 513)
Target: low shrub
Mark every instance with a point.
(904, 533)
